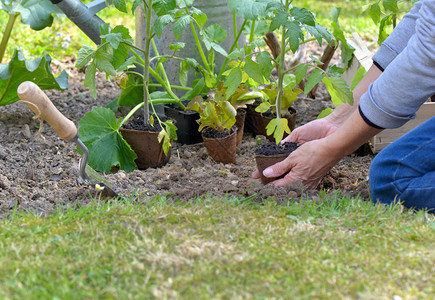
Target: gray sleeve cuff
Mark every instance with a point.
(378, 116)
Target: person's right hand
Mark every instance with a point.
(313, 130)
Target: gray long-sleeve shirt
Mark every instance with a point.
(408, 59)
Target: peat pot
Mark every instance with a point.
(147, 148)
(186, 122)
(256, 122)
(269, 154)
(221, 149)
(240, 124)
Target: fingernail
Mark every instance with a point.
(268, 172)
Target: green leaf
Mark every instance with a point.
(325, 112)
(325, 33)
(215, 33)
(84, 55)
(177, 46)
(171, 129)
(184, 3)
(113, 38)
(339, 90)
(357, 78)
(132, 93)
(180, 25)
(263, 107)
(103, 61)
(289, 81)
(334, 13)
(163, 7)
(183, 72)
(314, 78)
(36, 13)
(161, 23)
(278, 126)
(248, 9)
(236, 54)
(232, 81)
(383, 34)
(264, 59)
(375, 12)
(346, 49)
(218, 49)
(390, 5)
(199, 16)
(91, 70)
(121, 54)
(19, 70)
(196, 90)
(98, 130)
(278, 20)
(120, 5)
(303, 16)
(300, 72)
(293, 33)
(253, 70)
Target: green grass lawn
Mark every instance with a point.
(337, 248)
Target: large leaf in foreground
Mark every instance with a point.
(99, 131)
(36, 13)
(19, 70)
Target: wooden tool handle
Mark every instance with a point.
(39, 103)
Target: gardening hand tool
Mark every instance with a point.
(39, 103)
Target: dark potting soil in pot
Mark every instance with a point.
(137, 123)
(271, 148)
(270, 154)
(214, 134)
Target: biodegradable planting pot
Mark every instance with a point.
(143, 139)
(256, 122)
(269, 154)
(220, 147)
(240, 124)
(186, 122)
(147, 148)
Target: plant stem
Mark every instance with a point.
(128, 116)
(7, 34)
(252, 32)
(236, 39)
(201, 52)
(281, 71)
(177, 87)
(146, 69)
(235, 26)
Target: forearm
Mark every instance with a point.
(353, 133)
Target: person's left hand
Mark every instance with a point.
(308, 164)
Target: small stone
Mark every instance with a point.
(26, 131)
(292, 195)
(234, 182)
(4, 182)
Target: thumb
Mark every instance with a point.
(278, 169)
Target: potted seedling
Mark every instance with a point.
(105, 135)
(292, 25)
(216, 123)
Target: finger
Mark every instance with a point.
(293, 137)
(278, 169)
(255, 174)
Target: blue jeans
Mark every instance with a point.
(405, 170)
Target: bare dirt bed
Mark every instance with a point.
(41, 175)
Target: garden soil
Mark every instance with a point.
(41, 175)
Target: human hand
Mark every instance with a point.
(308, 164)
(313, 130)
